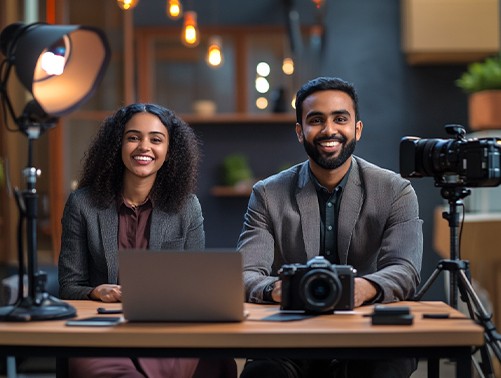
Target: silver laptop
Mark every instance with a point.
(182, 286)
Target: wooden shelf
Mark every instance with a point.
(230, 191)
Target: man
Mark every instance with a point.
(339, 206)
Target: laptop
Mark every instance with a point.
(182, 286)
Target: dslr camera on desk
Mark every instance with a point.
(317, 286)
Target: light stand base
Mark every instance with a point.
(50, 308)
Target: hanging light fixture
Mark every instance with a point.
(214, 53)
(127, 4)
(318, 3)
(190, 35)
(174, 9)
(288, 66)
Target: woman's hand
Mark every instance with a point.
(107, 293)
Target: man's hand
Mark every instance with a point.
(107, 293)
(276, 294)
(364, 291)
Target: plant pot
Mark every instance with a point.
(484, 110)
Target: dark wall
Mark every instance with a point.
(362, 45)
(268, 148)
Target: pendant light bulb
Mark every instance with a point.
(190, 34)
(127, 4)
(288, 66)
(174, 9)
(318, 3)
(214, 52)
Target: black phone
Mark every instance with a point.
(102, 310)
(95, 321)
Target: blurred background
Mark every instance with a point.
(404, 57)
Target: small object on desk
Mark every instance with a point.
(95, 321)
(284, 316)
(442, 315)
(391, 315)
(436, 316)
(102, 310)
(391, 310)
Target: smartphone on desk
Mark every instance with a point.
(95, 321)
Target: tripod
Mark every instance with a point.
(460, 282)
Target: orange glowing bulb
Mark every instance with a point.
(174, 9)
(127, 4)
(190, 33)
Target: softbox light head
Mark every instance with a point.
(61, 65)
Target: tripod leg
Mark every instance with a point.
(482, 316)
(468, 288)
(428, 283)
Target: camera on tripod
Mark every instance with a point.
(317, 286)
(459, 161)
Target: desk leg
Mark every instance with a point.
(11, 367)
(433, 368)
(463, 367)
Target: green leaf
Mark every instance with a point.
(481, 76)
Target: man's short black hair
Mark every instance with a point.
(324, 84)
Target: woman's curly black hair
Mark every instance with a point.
(103, 168)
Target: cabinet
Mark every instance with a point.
(449, 31)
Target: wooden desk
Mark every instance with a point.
(349, 335)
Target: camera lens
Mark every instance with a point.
(320, 290)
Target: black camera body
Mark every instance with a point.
(317, 286)
(465, 162)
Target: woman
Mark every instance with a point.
(135, 191)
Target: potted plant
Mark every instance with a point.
(482, 83)
(237, 172)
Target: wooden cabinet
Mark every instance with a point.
(449, 31)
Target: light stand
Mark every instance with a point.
(460, 280)
(61, 66)
(37, 304)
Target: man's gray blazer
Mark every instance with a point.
(89, 243)
(379, 230)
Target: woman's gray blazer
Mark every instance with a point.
(89, 243)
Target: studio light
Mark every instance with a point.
(81, 54)
(61, 66)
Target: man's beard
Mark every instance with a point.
(347, 149)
